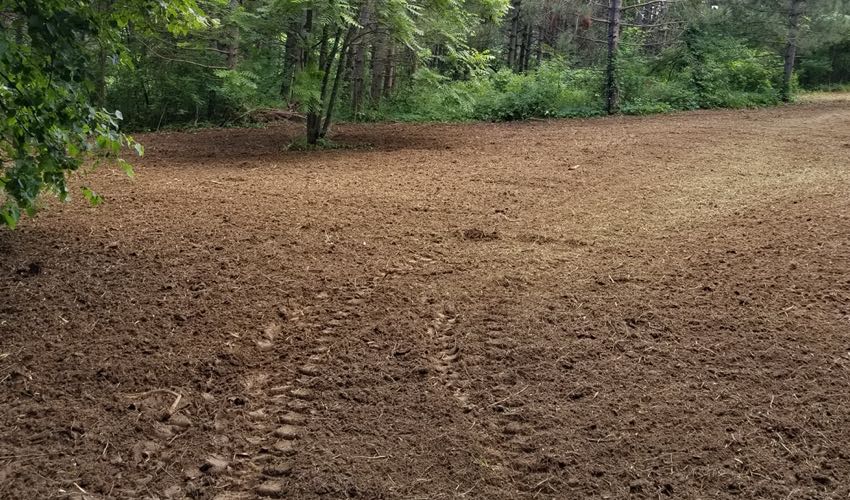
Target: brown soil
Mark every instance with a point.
(647, 307)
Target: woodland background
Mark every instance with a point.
(77, 76)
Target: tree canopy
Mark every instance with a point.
(52, 57)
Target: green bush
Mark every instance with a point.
(536, 94)
(552, 90)
(707, 71)
(831, 87)
(237, 88)
(431, 97)
(641, 107)
(828, 67)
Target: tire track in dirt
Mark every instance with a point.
(514, 441)
(302, 401)
(488, 384)
(292, 401)
(259, 452)
(257, 448)
(295, 404)
(447, 355)
(444, 350)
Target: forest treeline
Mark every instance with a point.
(75, 75)
(476, 59)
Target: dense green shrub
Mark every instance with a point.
(432, 97)
(827, 68)
(727, 73)
(706, 71)
(552, 90)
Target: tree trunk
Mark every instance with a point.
(539, 49)
(100, 84)
(379, 61)
(612, 91)
(512, 39)
(323, 47)
(233, 42)
(305, 51)
(389, 69)
(343, 56)
(102, 7)
(520, 61)
(414, 64)
(529, 33)
(290, 60)
(358, 77)
(358, 67)
(795, 11)
(326, 60)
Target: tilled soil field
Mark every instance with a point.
(627, 307)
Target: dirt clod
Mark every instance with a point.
(476, 234)
(214, 465)
(284, 447)
(180, 420)
(271, 489)
(302, 393)
(288, 432)
(293, 418)
(278, 469)
(310, 370)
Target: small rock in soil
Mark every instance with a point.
(254, 440)
(302, 393)
(258, 414)
(144, 450)
(228, 496)
(293, 418)
(265, 345)
(270, 489)
(513, 428)
(311, 370)
(163, 431)
(272, 331)
(297, 405)
(192, 473)
(285, 447)
(214, 465)
(278, 469)
(476, 234)
(639, 486)
(180, 420)
(173, 491)
(288, 432)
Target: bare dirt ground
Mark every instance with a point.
(628, 307)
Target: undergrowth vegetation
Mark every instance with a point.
(706, 71)
(513, 60)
